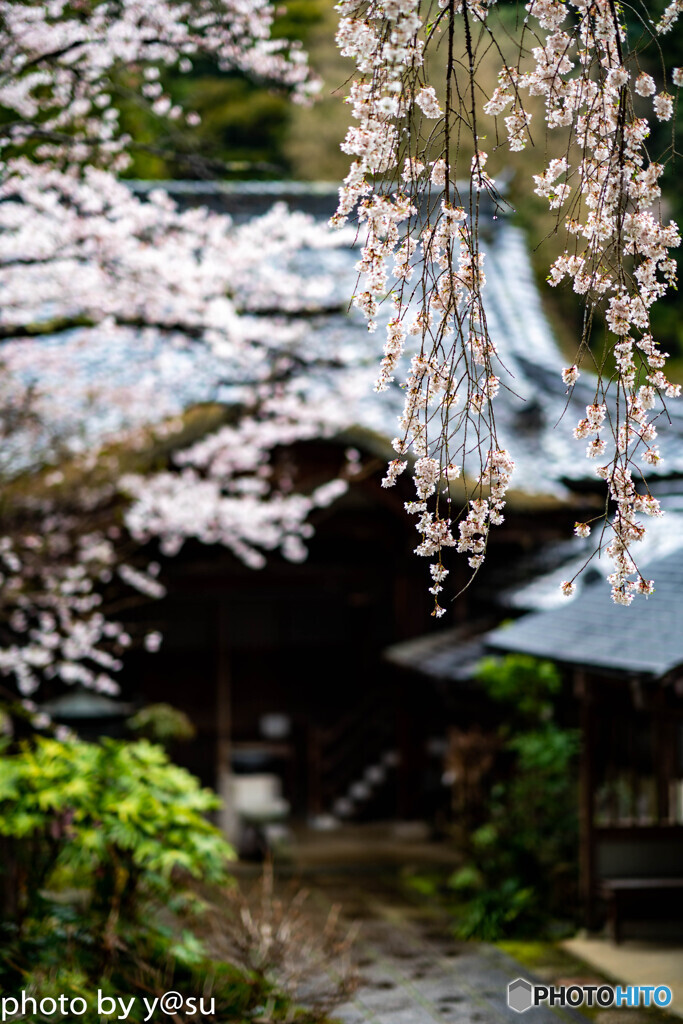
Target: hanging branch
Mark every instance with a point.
(404, 186)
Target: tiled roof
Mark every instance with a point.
(151, 377)
(443, 655)
(645, 638)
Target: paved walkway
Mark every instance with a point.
(413, 972)
(635, 963)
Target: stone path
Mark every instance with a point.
(635, 963)
(414, 972)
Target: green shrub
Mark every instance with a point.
(113, 879)
(521, 863)
(114, 818)
(163, 724)
(101, 846)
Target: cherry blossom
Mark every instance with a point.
(57, 64)
(425, 227)
(84, 261)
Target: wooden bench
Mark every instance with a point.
(621, 892)
(639, 873)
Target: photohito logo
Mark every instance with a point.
(522, 995)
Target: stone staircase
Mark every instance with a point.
(352, 766)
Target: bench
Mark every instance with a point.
(623, 894)
(638, 871)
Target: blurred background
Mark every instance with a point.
(519, 763)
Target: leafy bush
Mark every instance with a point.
(114, 879)
(521, 864)
(163, 724)
(115, 818)
(102, 846)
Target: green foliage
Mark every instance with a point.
(100, 844)
(500, 911)
(521, 862)
(119, 816)
(241, 126)
(522, 682)
(162, 723)
(104, 850)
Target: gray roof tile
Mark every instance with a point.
(645, 638)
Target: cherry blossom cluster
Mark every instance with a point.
(66, 566)
(58, 65)
(229, 491)
(70, 551)
(84, 261)
(618, 255)
(414, 191)
(54, 582)
(92, 252)
(420, 224)
(91, 259)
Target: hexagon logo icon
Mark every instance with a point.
(520, 995)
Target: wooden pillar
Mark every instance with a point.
(583, 691)
(315, 803)
(227, 817)
(410, 741)
(663, 754)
